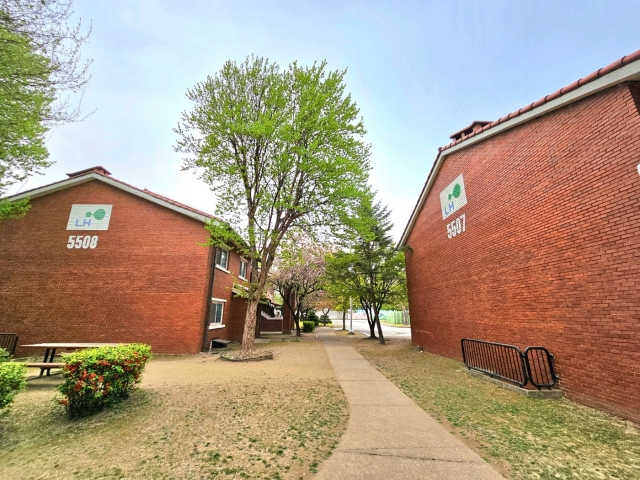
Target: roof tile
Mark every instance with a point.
(635, 56)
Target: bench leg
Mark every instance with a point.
(47, 359)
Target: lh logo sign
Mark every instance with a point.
(453, 198)
(89, 217)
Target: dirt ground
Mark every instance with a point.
(194, 417)
(523, 438)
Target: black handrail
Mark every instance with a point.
(507, 362)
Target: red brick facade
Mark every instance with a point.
(551, 251)
(147, 280)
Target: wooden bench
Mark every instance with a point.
(45, 366)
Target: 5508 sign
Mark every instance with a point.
(83, 241)
(457, 226)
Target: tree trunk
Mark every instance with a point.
(372, 324)
(344, 320)
(248, 337)
(372, 330)
(377, 322)
(297, 320)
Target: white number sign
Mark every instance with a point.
(83, 241)
(457, 226)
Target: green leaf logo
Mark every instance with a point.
(456, 191)
(100, 213)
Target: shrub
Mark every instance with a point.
(4, 355)
(99, 377)
(312, 317)
(324, 319)
(308, 326)
(11, 381)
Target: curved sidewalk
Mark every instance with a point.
(388, 436)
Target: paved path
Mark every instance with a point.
(388, 436)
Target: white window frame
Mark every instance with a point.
(245, 263)
(221, 302)
(224, 268)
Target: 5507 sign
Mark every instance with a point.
(83, 241)
(457, 226)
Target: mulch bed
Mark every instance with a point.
(240, 356)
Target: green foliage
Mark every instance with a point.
(99, 377)
(11, 210)
(23, 109)
(39, 59)
(308, 326)
(11, 381)
(282, 149)
(370, 268)
(313, 317)
(324, 319)
(4, 355)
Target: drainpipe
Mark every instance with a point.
(207, 311)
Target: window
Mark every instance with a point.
(222, 258)
(215, 314)
(243, 270)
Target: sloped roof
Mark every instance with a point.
(624, 69)
(102, 175)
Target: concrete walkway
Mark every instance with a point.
(388, 436)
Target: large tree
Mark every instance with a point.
(282, 149)
(40, 66)
(370, 269)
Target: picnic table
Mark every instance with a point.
(50, 352)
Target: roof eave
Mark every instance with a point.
(71, 182)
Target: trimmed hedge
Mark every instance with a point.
(313, 317)
(11, 382)
(325, 320)
(308, 326)
(99, 377)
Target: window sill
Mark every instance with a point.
(215, 327)
(242, 278)
(222, 268)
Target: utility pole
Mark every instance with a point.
(351, 316)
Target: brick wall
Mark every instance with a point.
(146, 281)
(551, 251)
(223, 281)
(238, 315)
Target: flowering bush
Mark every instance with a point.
(98, 377)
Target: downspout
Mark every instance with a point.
(207, 311)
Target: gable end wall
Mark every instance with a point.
(146, 281)
(551, 251)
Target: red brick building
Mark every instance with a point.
(97, 260)
(527, 232)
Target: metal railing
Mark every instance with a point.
(9, 341)
(507, 362)
(540, 369)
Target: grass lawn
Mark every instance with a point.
(194, 417)
(521, 437)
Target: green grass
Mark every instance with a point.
(536, 439)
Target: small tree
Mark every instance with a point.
(282, 149)
(372, 270)
(298, 275)
(338, 293)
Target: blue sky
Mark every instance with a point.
(418, 71)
